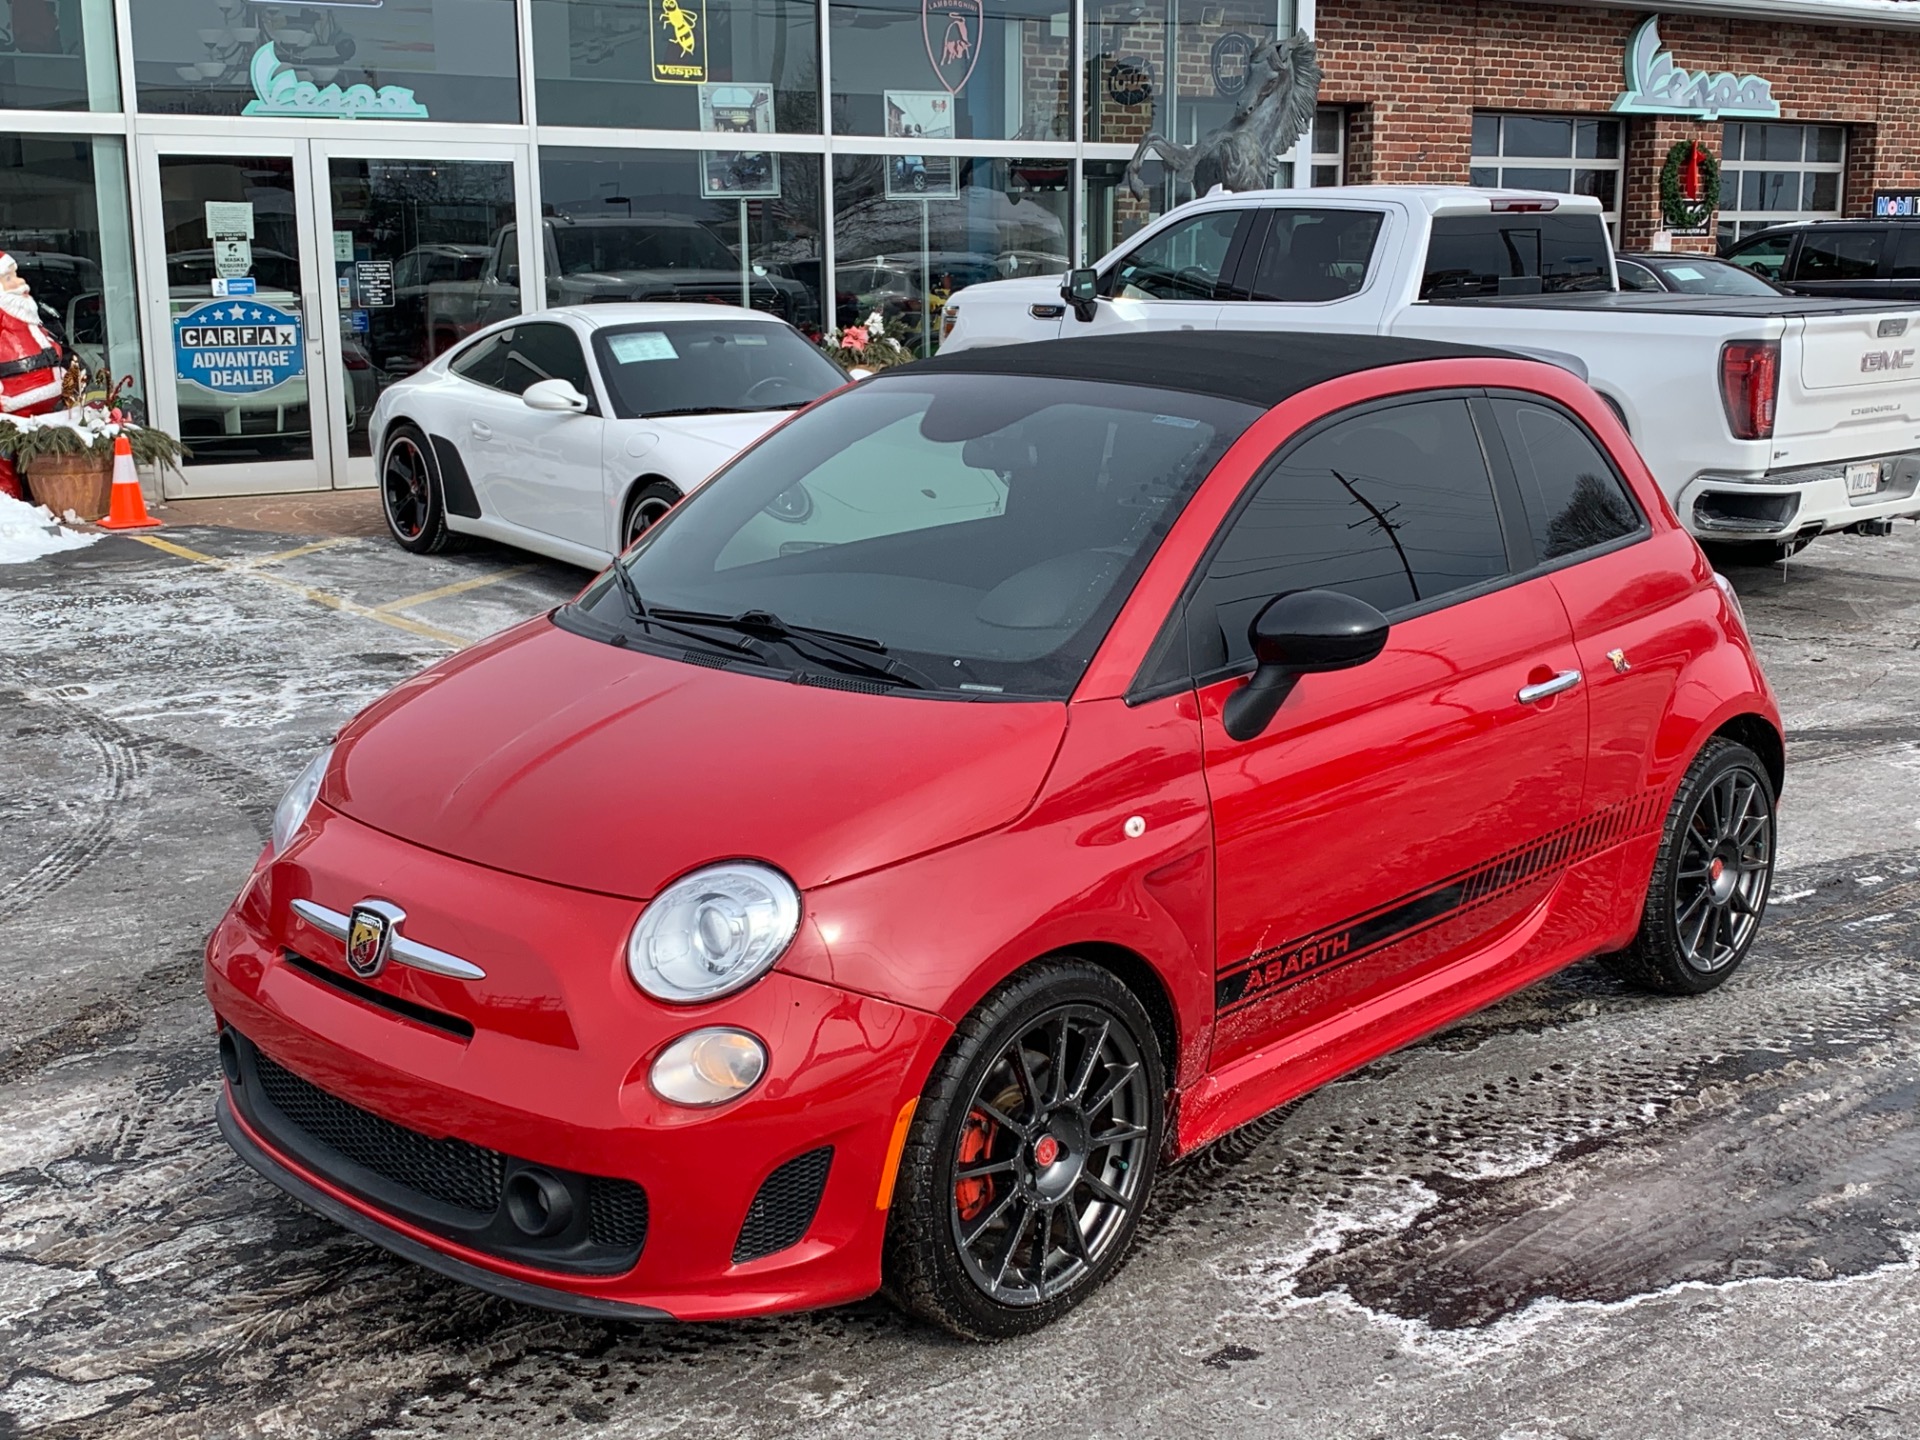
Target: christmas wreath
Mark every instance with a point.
(1689, 186)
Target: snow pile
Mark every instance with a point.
(29, 531)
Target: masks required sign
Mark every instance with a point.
(238, 347)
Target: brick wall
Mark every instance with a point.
(1414, 71)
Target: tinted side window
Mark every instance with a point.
(484, 363)
(1906, 258)
(1183, 263)
(544, 352)
(1766, 255)
(1574, 499)
(1840, 255)
(1394, 506)
(1636, 277)
(1519, 254)
(1314, 255)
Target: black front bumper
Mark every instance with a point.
(405, 1246)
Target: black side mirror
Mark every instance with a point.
(1080, 289)
(1303, 633)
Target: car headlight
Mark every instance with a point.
(713, 932)
(298, 800)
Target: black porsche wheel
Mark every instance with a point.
(410, 495)
(1710, 882)
(647, 508)
(1031, 1156)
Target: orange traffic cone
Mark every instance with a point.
(129, 510)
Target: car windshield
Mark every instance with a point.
(983, 529)
(711, 367)
(589, 249)
(1711, 277)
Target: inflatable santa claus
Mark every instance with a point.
(30, 370)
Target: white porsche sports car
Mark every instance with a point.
(570, 431)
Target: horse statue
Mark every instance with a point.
(1240, 154)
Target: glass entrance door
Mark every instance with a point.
(232, 292)
(422, 253)
(303, 277)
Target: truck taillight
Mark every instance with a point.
(1749, 386)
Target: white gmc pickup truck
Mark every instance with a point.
(1767, 421)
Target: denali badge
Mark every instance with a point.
(1875, 360)
(370, 933)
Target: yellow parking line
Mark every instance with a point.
(459, 587)
(296, 552)
(307, 592)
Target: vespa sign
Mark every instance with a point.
(1657, 86)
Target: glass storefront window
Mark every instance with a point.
(1176, 68)
(953, 69)
(910, 230)
(719, 227)
(619, 62)
(1775, 173)
(58, 55)
(1508, 151)
(419, 263)
(65, 220)
(1205, 46)
(345, 59)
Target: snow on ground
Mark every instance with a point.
(29, 531)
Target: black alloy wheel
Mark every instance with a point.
(1710, 882)
(646, 509)
(1031, 1157)
(410, 494)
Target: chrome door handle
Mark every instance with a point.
(1547, 689)
(485, 432)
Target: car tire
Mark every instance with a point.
(999, 1151)
(648, 505)
(1710, 880)
(411, 496)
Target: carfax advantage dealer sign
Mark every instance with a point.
(238, 347)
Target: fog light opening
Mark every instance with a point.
(709, 1067)
(230, 1058)
(538, 1203)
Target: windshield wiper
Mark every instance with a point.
(700, 410)
(854, 653)
(638, 611)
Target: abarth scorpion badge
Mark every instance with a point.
(370, 936)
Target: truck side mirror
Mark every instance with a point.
(1305, 633)
(511, 275)
(1081, 289)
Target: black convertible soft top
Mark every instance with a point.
(1259, 367)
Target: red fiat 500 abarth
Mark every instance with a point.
(1014, 772)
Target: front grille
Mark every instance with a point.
(616, 1213)
(785, 1206)
(451, 1187)
(450, 1171)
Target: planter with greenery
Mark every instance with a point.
(67, 455)
(865, 347)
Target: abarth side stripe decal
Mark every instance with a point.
(1281, 967)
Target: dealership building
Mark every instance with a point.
(265, 213)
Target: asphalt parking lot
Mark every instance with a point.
(1584, 1213)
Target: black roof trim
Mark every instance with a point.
(1257, 367)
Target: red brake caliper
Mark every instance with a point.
(976, 1139)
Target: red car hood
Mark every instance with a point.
(557, 757)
